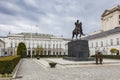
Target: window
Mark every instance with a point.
(92, 45)
(33, 44)
(96, 44)
(60, 46)
(11, 44)
(29, 53)
(29, 44)
(64, 53)
(53, 45)
(33, 52)
(41, 52)
(56, 53)
(111, 42)
(45, 45)
(49, 52)
(101, 43)
(119, 22)
(56, 45)
(59, 53)
(53, 53)
(48, 45)
(15, 44)
(41, 45)
(11, 53)
(117, 41)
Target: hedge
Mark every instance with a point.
(7, 64)
(46, 56)
(110, 56)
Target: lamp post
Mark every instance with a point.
(31, 43)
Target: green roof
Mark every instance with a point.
(37, 35)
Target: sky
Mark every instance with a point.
(55, 17)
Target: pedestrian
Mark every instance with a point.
(96, 58)
(99, 57)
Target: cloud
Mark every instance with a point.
(55, 17)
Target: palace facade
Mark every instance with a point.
(51, 45)
(109, 35)
(2, 48)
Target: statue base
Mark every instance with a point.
(78, 51)
(78, 59)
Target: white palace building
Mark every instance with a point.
(2, 47)
(51, 45)
(109, 35)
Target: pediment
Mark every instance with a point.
(105, 12)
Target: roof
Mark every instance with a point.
(102, 34)
(36, 35)
(106, 12)
(3, 36)
(2, 41)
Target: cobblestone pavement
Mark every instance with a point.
(30, 70)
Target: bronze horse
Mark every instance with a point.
(78, 30)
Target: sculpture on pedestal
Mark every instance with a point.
(78, 49)
(77, 30)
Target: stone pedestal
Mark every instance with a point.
(78, 51)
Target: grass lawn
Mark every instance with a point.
(6, 76)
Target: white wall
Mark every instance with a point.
(105, 49)
(2, 48)
(110, 21)
(15, 40)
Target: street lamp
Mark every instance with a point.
(31, 43)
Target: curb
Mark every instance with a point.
(5, 78)
(16, 69)
(14, 73)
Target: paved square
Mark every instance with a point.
(32, 69)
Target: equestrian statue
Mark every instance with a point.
(78, 30)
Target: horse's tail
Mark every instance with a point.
(72, 34)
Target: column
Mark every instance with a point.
(27, 51)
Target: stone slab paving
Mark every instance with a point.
(61, 63)
(30, 69)
(67, 62)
